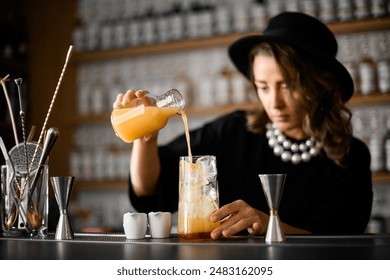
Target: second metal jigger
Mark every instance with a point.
(273, 188)
(62, 187)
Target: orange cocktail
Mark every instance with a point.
(196, 228)
(198, 197)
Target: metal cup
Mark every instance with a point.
(62, 187)
(273, 188)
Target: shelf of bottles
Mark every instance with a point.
(157, 45)
(132, 27)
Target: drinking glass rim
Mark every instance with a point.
(197, 157)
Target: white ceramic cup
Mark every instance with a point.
(135, 225)
(160, 224)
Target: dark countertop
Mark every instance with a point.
(116, 247)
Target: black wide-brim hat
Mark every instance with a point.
(301, 31)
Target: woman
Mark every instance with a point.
(301, 127)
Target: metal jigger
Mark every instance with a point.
(62, 187)
(273, 189)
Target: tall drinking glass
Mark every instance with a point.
(198, 196)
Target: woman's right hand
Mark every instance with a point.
(238, 216)
(132, 98)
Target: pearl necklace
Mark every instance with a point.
(289, 151)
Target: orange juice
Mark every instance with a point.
(133, 123)
(187, 132)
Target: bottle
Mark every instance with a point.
(205, 21)
(344, 10)
(119, 34)
(377, 156)
(309, 7)
(367, 69)
(383, 65)
(147, 115)
(241, 17)
(359, 124)
(258, 15)
(133, 30)
(116, 83)
(222, 23)
(191, 21)
(378, 8)
(291, 5)
(106, 36)
(362, 9)
(387, 142)
(175, 23)
(148, 28)
(98, 99)
(162, 27)
(327, 11)
(275, 7)
(348, 52)
(376, 141)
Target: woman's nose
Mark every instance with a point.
(276, 99)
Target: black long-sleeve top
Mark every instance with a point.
(318, 195)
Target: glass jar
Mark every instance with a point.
(147, 115)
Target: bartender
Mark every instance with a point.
(301, 127)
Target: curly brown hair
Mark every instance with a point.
(327, 118)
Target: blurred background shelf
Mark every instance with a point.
(357, 99)
(189, 44)
(380, 178)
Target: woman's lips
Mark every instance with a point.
(280, 118)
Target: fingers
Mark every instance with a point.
(238, 216)
(141, 93)
(127, 97)
(118, 102)
(231, 226)
(257, 229)
(228, 209)
(124, 100)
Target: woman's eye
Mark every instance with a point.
(262, 88)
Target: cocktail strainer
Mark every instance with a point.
(18, 156)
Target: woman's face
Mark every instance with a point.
(275, 96)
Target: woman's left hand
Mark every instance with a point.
(238, 216)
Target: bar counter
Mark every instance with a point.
(117, 247)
